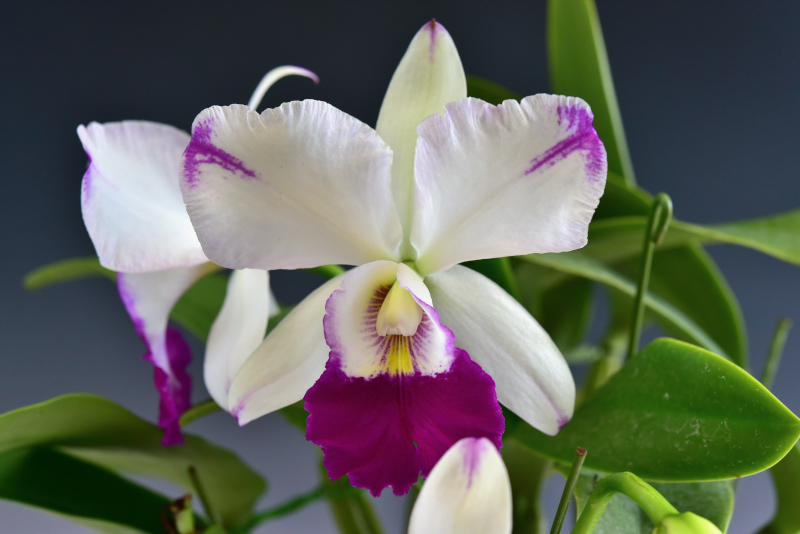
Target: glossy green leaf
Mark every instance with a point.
(489, 91)
(100, 431)
(786, 477)
(57, 482)
(199, 306)
(675, 320)
(675, 412)
(579, 67)
(619, 238)
(65, 271)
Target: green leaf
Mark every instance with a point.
(99, 431)
(52, 480)
(688, 279)
(672, 318)
(786, 477)
(718, 313)
(528, 473)
(567, 311)
(579, 67)
(488, 91)
(353, 513)
(199, 306)
(675, 412)
(65, 271)
(619, 238)
(712, 500)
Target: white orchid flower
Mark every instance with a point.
(135, 216)
(467, 492)
(444, 179)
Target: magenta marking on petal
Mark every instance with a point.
(474, 448)
(368, 428)
(582, 137)
(201, 151)
(173, 383)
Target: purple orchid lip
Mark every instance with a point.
(383, 428)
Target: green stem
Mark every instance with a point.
(775, 352)
(657, 225)
(201, 492)
(652, 502)
(326, 271)
(569, 487)
(199, 410)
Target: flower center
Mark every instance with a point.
(399, 314)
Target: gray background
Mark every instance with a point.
(708, 96)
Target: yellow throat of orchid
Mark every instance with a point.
(397, 321)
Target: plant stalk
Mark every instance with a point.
(569, 487)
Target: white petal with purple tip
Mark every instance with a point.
(288, 362)
(506, 180)
(297, 186)
(237, 331)
(531, 375)
(131, 200)
(468, 491)
(429, 75)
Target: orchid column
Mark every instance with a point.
(409, 352)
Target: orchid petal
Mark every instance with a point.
(467, 492)
(287, 363)
(149, 298)
(273, 76)
(429, 75)
(298, 186)
(131, 200)
(237, 331)
(532, 377)
(513, 179)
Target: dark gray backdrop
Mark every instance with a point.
(708, 95)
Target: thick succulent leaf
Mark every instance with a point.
(52, 480)
(489, 91)
(786, 476)
(675, 413)
(620, 238)
(672, 318)
(66, 271)
(579, 67)
(102, 432)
